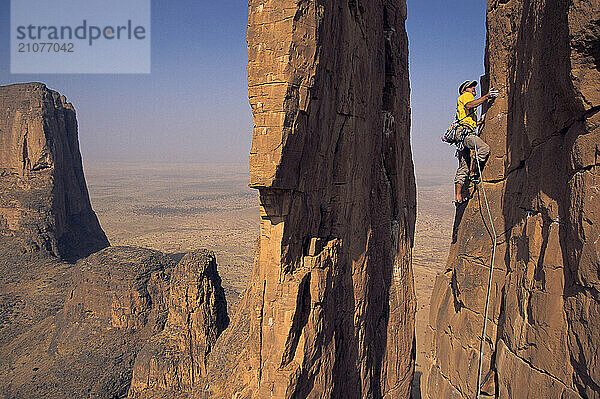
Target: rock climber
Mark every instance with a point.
(467, 137)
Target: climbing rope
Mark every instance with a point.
(489, 291)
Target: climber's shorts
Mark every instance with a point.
(464, 156)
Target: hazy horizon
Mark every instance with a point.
(193, 107)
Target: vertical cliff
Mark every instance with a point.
(44, 202)
(74, 330)
(543, 336)
(174, 360)
(329, 310)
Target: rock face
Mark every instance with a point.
(543, 336)
(174, 360)
(115, 301)
(133, 317)
(118, 300)
(45, 213)
(44, 202)
(329, 310)
(74, 330)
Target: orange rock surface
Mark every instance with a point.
(543, 337)
(44, 202)
(329, 311)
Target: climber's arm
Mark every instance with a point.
(478, 102)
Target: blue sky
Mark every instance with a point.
(194, 107)
(446, 47)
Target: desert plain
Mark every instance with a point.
(180, 207)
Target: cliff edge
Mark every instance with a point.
(44, 202)
(73, 314)
(543, 337)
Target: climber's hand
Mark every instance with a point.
(493, 93)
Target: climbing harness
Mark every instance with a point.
(451, 135)
(489, 291)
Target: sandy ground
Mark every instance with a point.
(433, 233)
(177, 208)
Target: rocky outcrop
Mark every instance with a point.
(45, 215)
(74, 330)
(174, 360)
(116, 299)
(542, 183)
(133, 321)
(329, 310)
(44, 202)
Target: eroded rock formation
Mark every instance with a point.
(117, 300)
(74, 330)
(543, 337)
(132, 317)
(44, 202)
(45, 213)
(329, 310)
(176, 359)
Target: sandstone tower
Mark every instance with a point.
(44, 202)
(543, 336)
(329, 311)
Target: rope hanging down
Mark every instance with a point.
(487, 303)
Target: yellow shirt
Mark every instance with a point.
(462, 111)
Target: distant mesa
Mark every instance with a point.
(44, 201)
(75, 312)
